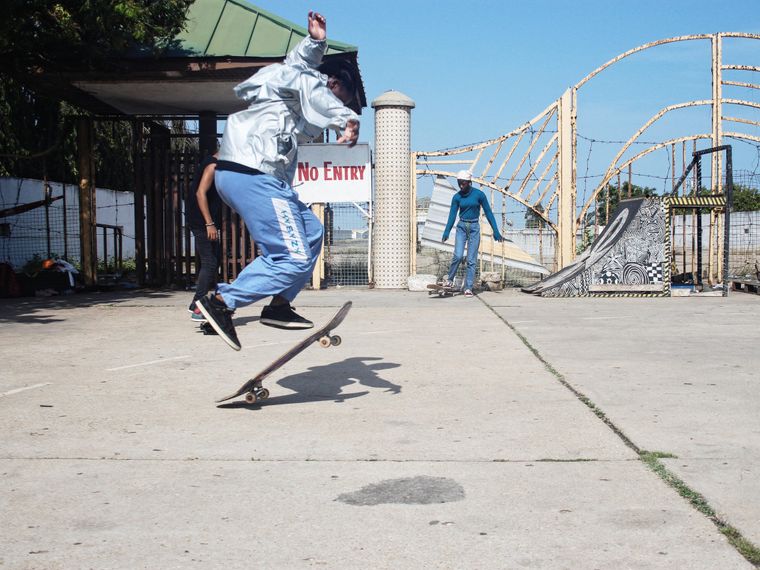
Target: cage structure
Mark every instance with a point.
(347, 243)
(638, 253)
(541, 168)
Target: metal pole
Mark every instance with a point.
(717, 108)
(684, 214)
(727, 226)
(413, 216)
(65, 225)
(121, 245)
(607, 206)
(566, 214)
(105, 249)
(699, 224)
(115, 251)
(46, 191)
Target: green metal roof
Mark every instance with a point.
(235, 28)
(225, 41)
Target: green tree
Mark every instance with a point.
(42, 36)
(74, 34)
(746, 199)
(532, 219)
(615, 195)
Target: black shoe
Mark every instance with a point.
(283, 317)
(220, 318)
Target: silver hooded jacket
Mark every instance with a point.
(288, 103)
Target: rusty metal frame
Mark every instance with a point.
(559, 174)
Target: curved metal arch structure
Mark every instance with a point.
(546, 183)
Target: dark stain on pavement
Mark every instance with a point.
(420, 490)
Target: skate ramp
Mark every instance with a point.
(507, 252)
(627, 259)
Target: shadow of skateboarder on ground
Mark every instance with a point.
(322, 383)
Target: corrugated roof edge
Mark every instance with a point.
(331, 44)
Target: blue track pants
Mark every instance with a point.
(287, 232)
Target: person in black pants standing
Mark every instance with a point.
(204, 217)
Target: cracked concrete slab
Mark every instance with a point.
(676, 375)
(114, 454)
(275, 514)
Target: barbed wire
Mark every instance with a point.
(587, 177)
(533, 131)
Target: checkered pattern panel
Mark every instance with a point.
(654, 272)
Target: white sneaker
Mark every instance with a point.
(468, 293)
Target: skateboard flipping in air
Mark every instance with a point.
(255, 392)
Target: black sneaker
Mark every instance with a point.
(220, 318)
(283, 317)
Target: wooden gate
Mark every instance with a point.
(164, 246)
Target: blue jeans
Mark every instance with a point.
(467, 233)
(287, 233)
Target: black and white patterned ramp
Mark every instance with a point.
(628, 258)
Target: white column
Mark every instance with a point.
(393, 181)
(566, 226)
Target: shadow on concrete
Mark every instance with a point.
(37, 310)
(324, 383)
(240, 321)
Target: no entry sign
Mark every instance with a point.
(333, 173)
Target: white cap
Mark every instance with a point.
(464, 175)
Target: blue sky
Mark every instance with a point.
(479, 69)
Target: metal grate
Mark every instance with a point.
(346, 243)
(36, 232)
(744, 254)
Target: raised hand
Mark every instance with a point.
(317, 26)
(351, 134)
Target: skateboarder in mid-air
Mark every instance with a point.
(467, 203)
(288, 102)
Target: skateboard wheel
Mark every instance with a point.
(324, 342)
(263, 394)
(335, 340)
(250, 397)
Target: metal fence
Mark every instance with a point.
(41, 220)
(744, 250)
(347, 243)
(538, 243)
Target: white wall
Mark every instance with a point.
(27, 232)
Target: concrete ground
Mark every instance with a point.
(442, 433)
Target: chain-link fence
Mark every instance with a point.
(538, 243)
(744, 238)
(41, 220)
(346, 243)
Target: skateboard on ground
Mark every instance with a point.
(442, 290)
(255, 392)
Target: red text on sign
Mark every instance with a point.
(330, 172)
